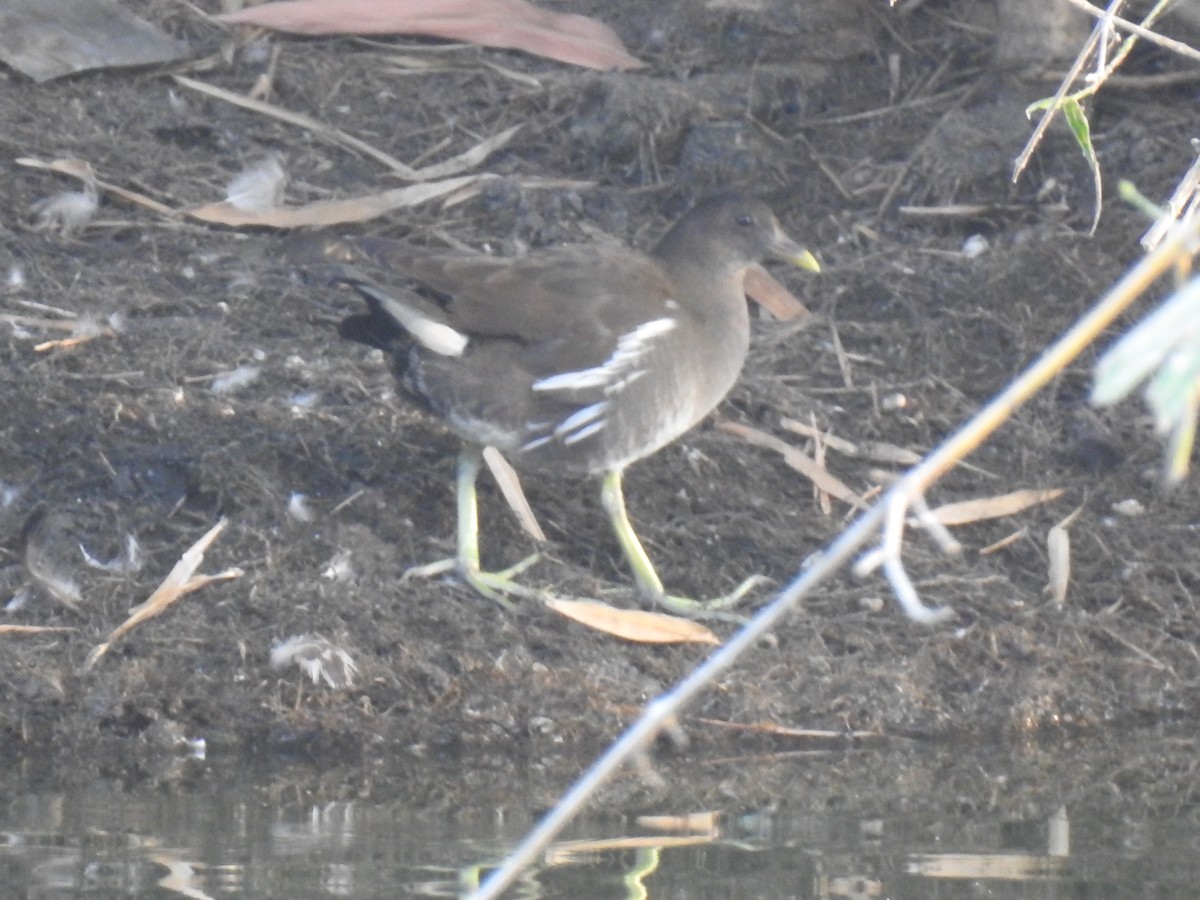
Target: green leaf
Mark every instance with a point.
(1080, 127)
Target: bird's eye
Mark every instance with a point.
(744, 220)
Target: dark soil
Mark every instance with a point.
(124, 434)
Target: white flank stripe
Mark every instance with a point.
(631, 348)
(583, 433)
(580, 418)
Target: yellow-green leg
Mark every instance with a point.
(493, 585)
(612, 496)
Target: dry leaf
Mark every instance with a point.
(330, 212)
(510, 486)
(634, 624)
(992, 507)
(1058, 546)
(768, 293)
(508, 24)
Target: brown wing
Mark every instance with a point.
(567, 305)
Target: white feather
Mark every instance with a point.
(432, 335)
(616, 371)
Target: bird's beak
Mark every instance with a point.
(785, 249)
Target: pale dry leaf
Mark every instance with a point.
(331, 212)
(510, 486)
(967, 511)
(1058, 547)
(506, 24)
(633, 624)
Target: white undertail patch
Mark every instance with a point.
(430, 334)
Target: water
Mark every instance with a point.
(270, 838)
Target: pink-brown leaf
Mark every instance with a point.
(508, 24)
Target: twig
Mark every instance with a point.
(1185, 50)
(179, 581)
(1039, 130)
(333, 135)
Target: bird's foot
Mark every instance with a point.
(497, 586)
(716, 608)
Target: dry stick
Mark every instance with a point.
(1141, 31)
(333, 135)
(1048, 116)
(179, 581)
(83, 171)
(641, 733)
(898, 500)
(1107, 18)
(1183, 197)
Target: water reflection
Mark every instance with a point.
(247, 840)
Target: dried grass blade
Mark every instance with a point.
(510, 486)
(798, 460)
(321, 130)
(967, 511)
(469, 158)
(33, 629)
(876, 451)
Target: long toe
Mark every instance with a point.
(717, 608)
(496, 586)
